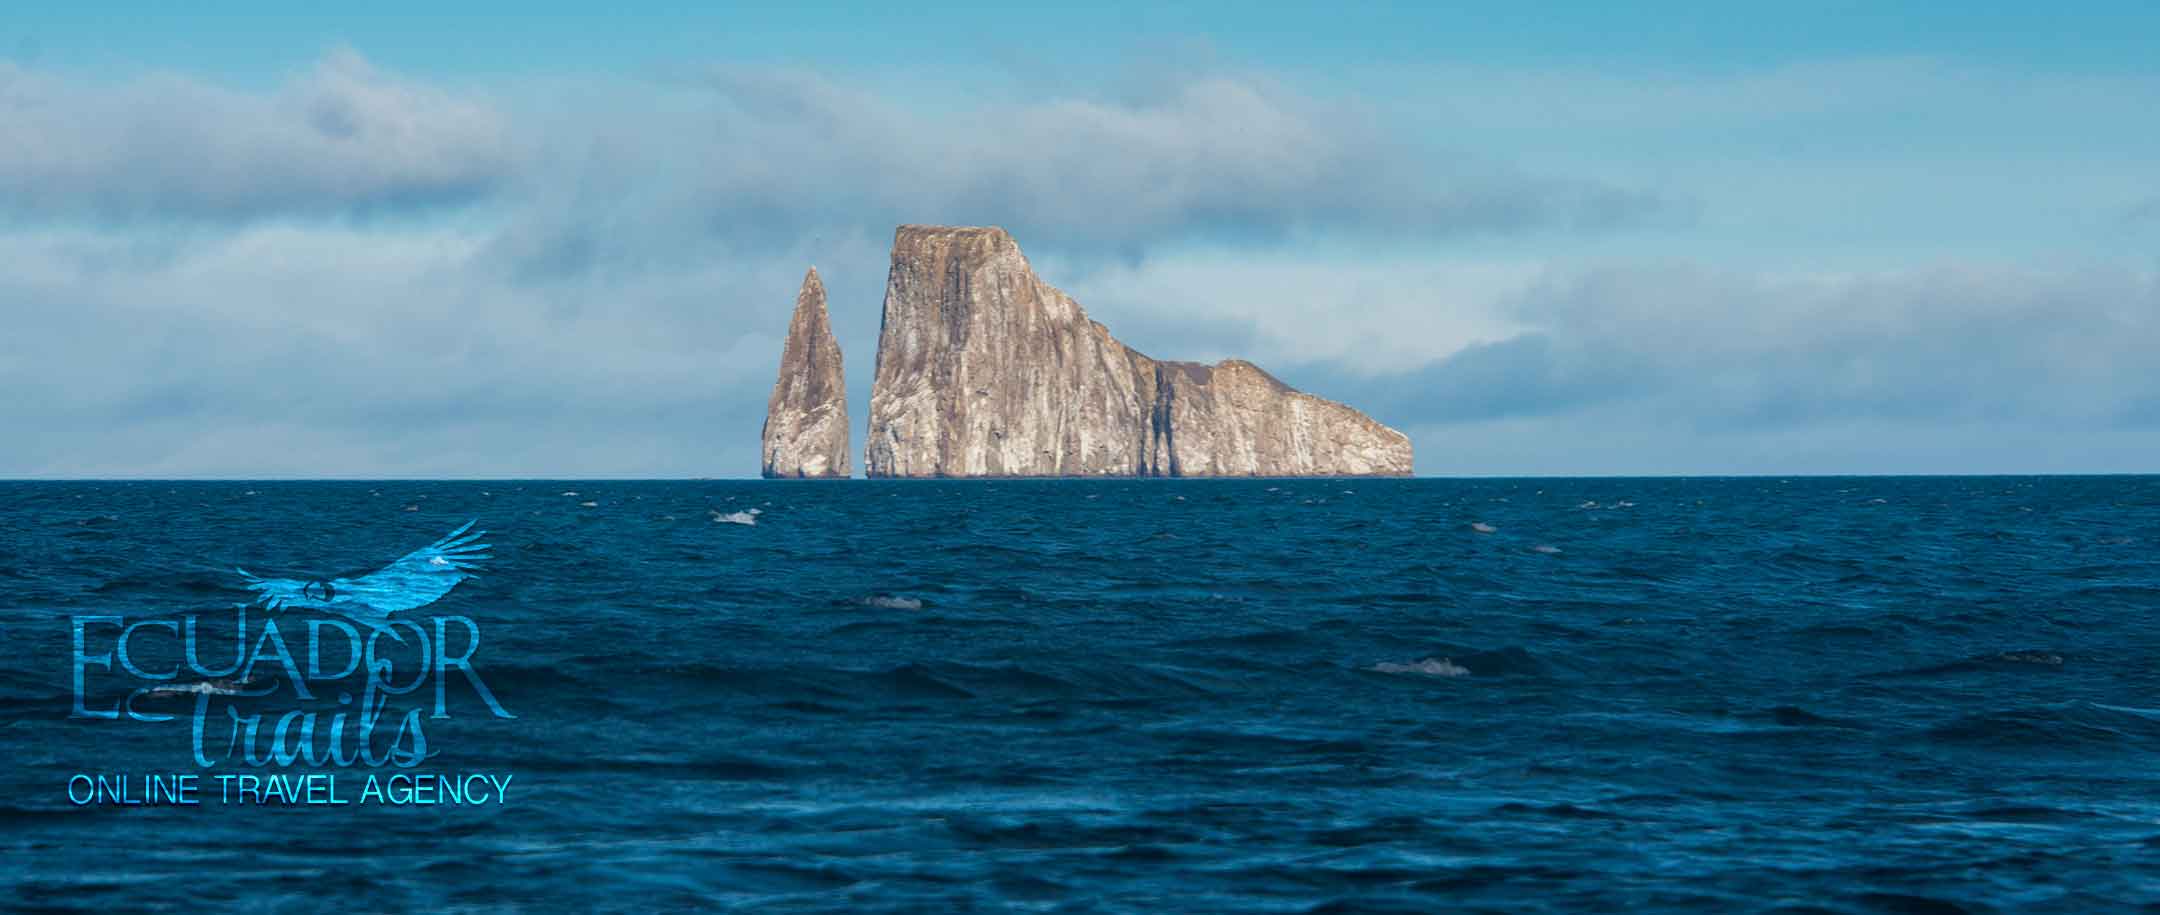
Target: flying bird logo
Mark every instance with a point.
(415, 580)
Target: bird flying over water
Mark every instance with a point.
(415, 580)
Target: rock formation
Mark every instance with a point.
(806, 421)
(985, 370)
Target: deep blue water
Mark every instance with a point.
(1845, 694)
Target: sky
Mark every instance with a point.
(533, 240)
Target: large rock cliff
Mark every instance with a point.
(983, 369)
(806, 421)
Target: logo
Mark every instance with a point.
(415, 580)
(313, 673)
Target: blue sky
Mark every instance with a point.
(527, 240)
(257, 40)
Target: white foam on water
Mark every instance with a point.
(734, 518)
(588, 505)
(893, 602)
(1430, 667)
(1482, 528)
(210, 687)
(1546, 548)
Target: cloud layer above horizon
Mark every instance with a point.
(356, 272)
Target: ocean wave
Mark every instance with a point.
(1429, 667)
(1793, 716)
(1564, 811)
(88, 521)
(1510, 661)
(181, 583)
(2085, 724)
(1017, 681)
(893, 602)
(908, 682)
(926, 621)
(228, 686)
(721, 767)
(1266, 640)
(1061, 831)
(2020, 661)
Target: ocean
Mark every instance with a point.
(1727, 694)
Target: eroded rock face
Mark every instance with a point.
(806, 421)
(1233, 419)
(983, 369)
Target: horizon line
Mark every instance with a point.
(1103, 478)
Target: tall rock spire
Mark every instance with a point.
(806, 421)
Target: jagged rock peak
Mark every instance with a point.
(806, 420)
(983, 369)
(972, 243)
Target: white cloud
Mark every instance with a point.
(1796, 372)
(283, 350)
(1950, 340)
(756, 155)
(1371, 313)
(340, 138)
